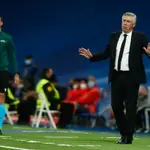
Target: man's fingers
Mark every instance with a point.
(84, 55)
(82, 49)
(85, 52)
(88, 51)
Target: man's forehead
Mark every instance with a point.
(127, 17)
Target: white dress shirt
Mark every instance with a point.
(125, 57)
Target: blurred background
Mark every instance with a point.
(52, 31)
(47, 35)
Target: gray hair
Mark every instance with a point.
(130, 14)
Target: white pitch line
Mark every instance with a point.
(55, 144)
(15, 148)
(58, 144)
(54, 131)
(148, 146)
(113, 137)
(26, 128)
(32, 131)
(61, 137)
(4, 136)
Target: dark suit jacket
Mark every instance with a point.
(138, 41)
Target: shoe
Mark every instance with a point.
(146, 131)
(121, 140)
(125, 140)
(140, 130)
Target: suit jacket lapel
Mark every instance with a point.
(117, 37)
(132, 43)
(115, 43)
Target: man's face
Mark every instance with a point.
(128, 23)
(1, 22)
(49, 73)
(91, 82)
(28, 61)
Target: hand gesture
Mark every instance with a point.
(147, 50)
(85, 52)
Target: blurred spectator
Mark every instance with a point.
(74, 91)
(62, 89)
(20, 90)
(29, 72)
(90, 96)
(142, 103)
(71, 82)
(48, 89)
(11, 100)
(46, 86)
(111, 122)
(27, 105)
(23, 102)
(84, 95)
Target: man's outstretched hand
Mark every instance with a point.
(147, 49)
(85, 52)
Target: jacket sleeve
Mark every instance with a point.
(102, 55)
(12, 55)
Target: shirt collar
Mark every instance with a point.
(128, 34)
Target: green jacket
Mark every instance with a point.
(7, 52)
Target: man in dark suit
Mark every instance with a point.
(126, 72)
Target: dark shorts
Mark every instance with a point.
(4, 81)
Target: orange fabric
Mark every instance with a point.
(74, 94)
(90, 98)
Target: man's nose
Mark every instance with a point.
(125, 22)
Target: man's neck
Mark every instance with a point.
(127, 32)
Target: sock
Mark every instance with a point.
(2, 114)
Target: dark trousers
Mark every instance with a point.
(124, 97)
(66, 114)
(25, 109)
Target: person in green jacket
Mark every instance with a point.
(7, 52)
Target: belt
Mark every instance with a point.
(121, 71)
